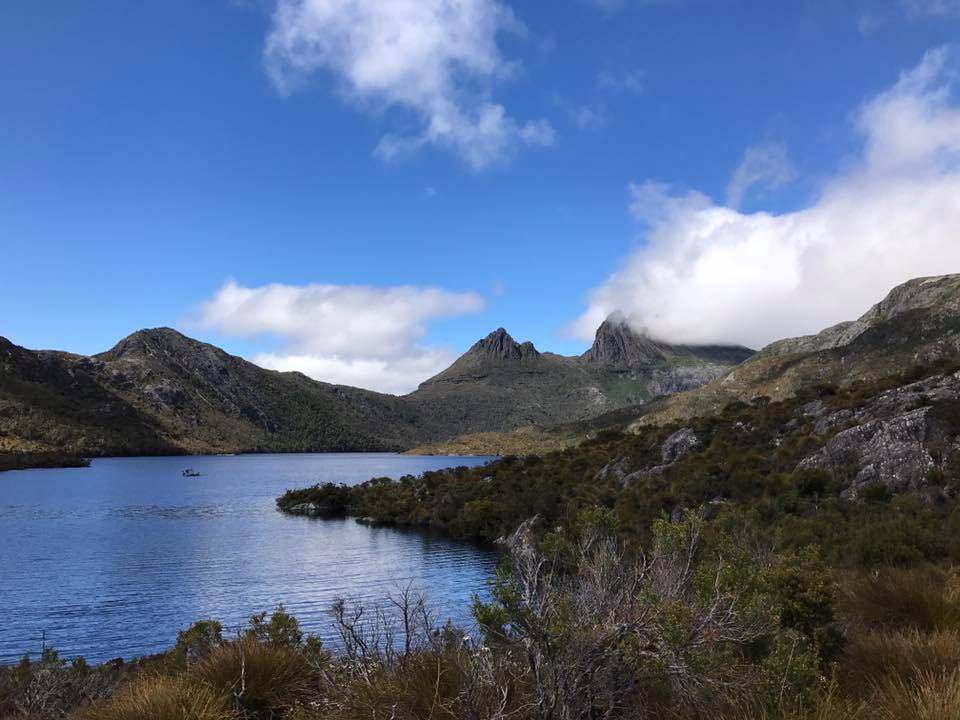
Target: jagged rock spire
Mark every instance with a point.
(499, 345)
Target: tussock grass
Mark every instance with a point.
(160, 697)
(424, 685)
(932, 696)
(923, 598)
(873, 655)
(923, 696)
(262, 679)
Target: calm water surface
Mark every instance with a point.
(114, 559)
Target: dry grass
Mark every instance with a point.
(924, 696)
(873, 655)
(159, 697)
(932, 696)
(922, 598)
(422, 686)
(263, 679)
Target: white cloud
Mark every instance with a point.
(435, 58)
(941, 8)
(347, 334)
(766, 165)
(712, 274)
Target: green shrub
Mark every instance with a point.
(281, 629)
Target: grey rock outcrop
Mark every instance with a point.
(890, 451)
(309, 509)
(898, 438)
(614, 470)
(680, 443)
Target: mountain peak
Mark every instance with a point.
(149, 341)
(617, 343)
(499, 345)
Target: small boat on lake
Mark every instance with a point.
(190, 472)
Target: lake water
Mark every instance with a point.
(114, 559)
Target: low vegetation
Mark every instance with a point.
(703, 622)
(744, 470)
(727, 584)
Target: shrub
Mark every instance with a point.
(281, 629)
(197, 641)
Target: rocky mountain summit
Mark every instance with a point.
(618, 344)
(498, 345)
(512, 385)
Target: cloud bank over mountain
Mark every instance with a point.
(708, 273)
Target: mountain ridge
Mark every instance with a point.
(160, 391)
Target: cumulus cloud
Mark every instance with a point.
(346, 334)
(711, 274)
(766, 165)
(435, 58)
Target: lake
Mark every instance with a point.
(114, 559)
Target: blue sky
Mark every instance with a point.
(153, 152)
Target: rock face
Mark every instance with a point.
(498, 345)
(899, 439)
(614, 470)
(678, 445)
(619, 345)
(308, 509)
